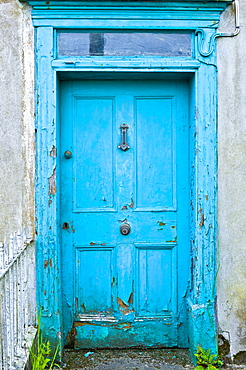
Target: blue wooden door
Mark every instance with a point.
(123, 290)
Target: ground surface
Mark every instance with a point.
(127, 359)
(132, 359)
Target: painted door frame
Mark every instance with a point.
(200, 18)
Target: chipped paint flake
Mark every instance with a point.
(202, 218)
(124, 326)
(132, 204)
(122, 304)
(92, 243)
(130, 300)
(52, 183)
(125, 308)
(53, 152)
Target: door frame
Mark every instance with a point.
(199, 18)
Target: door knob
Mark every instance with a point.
(125, 229)
(68, 154)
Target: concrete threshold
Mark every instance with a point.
(127, 359)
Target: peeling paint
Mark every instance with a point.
(92, 243)
(113, 281)
(122, 304)
(130, 299)
(124, 326)
(46, 264)
(80, 323)
(202, 218)
(125, 308)
(53, 152)
(132, 204)
(52, 183)
(161, 223)
(125, 220)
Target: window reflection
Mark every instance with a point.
(124, 44)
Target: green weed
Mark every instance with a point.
(205, 360)
(40, 354)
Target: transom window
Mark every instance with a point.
(124, 44)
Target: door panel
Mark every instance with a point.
(124, 290)
(94, 165)
(153, 298)
(92, 265)
(154, 135)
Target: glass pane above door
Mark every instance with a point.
(124, 44)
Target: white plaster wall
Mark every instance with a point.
(16, 118)
(232, 182)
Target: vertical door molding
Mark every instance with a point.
(202, 299)
(47, 205)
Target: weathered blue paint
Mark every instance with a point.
(201, 305)
(47, 201)
(137, 282)
(201, 71)
(165, 15)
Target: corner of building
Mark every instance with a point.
(231, 286)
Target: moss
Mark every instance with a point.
(224, 349)
(240, 358)
(224, 346)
